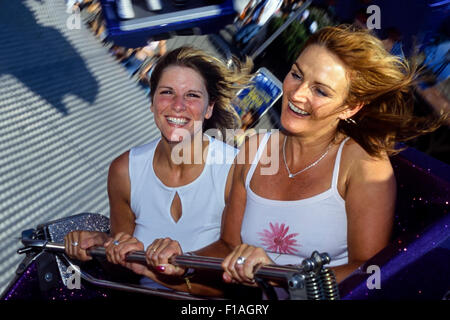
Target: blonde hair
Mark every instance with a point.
(382, 82)
(222, 82)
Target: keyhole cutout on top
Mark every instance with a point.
(175, 208)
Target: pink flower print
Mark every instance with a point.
(277, 240)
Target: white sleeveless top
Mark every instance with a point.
(290, 231)
(202, 200)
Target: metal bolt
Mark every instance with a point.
(48, 276)
(296, 282)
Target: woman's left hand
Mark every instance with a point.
(158, 254)
(119, 246)
(241, 264)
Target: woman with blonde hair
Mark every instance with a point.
(346, 103)
(177, 185)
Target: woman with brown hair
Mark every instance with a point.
(346, 103)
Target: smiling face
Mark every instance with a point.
(180, 101)
(314, 92)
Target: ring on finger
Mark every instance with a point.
(75, 243)
(240, 260)
(116, 242)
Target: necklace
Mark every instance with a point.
(291, 175)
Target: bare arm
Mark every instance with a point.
(233, 213)
(231, 220)
(370, 204)
(222, 247)
(122, 217)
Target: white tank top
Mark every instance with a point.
(202, 200)
(290, 231)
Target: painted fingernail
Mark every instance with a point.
(160, 268)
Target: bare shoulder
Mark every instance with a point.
(119, 166)
(358, 164)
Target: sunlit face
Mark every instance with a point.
(180, 101)
(313, 91)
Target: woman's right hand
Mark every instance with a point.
(241, 264)
(77, 242)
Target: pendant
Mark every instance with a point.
(291, 175)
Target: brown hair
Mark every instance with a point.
(382, 82)
(222, 82)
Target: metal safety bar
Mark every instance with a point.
(303, 281)
(272, 272)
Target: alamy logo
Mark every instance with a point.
(374, 281)
(74, 279)
(374, 20)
